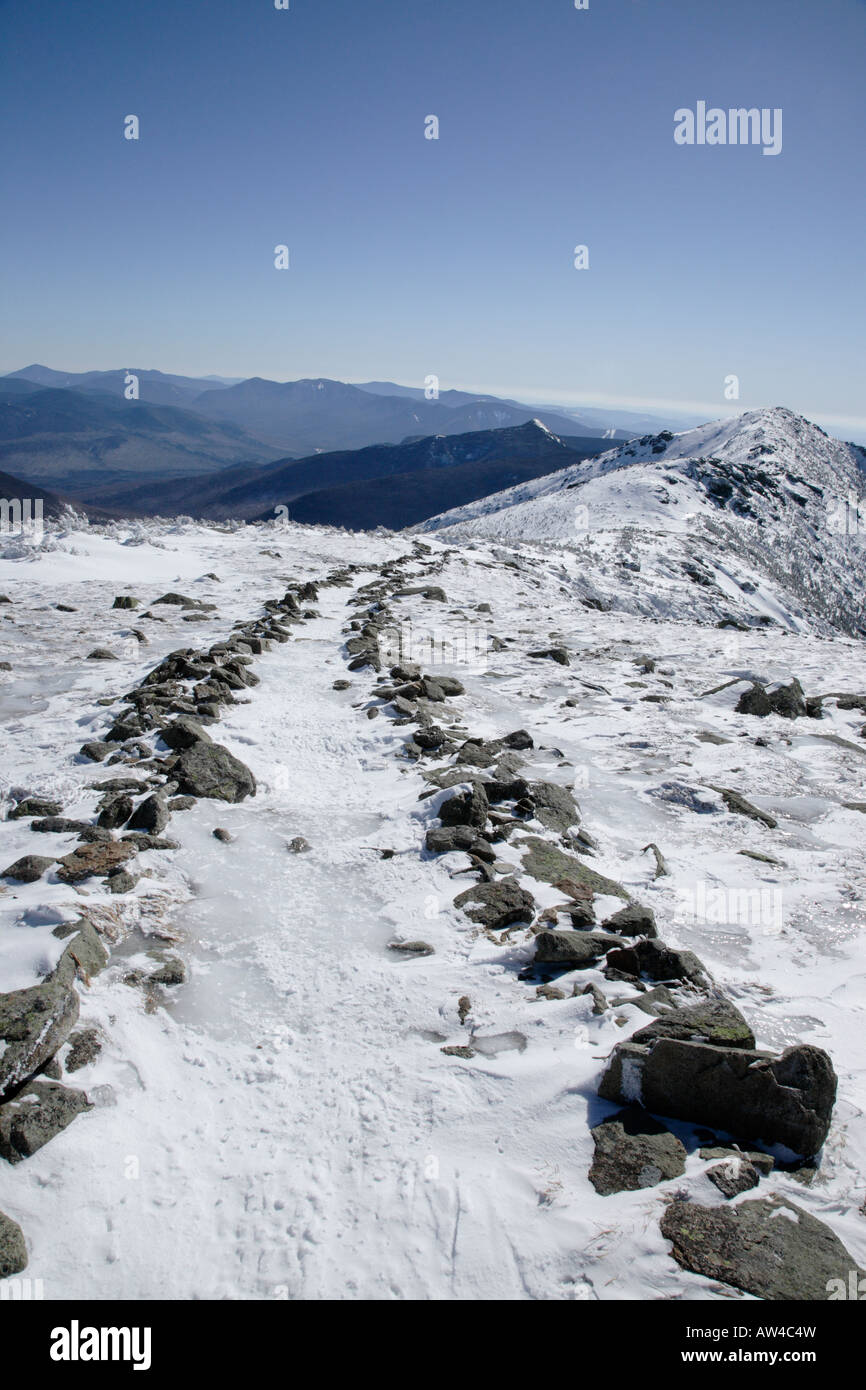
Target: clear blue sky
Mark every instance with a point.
(411, 256)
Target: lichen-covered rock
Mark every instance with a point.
(575, 950)
(544, 861)
(768, 1247)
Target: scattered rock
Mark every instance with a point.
(151, 815)
(220, 834)
(101, 654)
(298, 845)
(412, 948)
(741, 807)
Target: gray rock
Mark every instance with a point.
(171, 972)
(37, 1113)
(183, 732)
(768, 1247)
(633, 920)
(28, 868)
(208, 769)
(734, 1176)
(466, 808)
(741, 807)
(59, 825)
(552, 654)
(34, 1023)
(554, 806)
(657, 961)
(633, 1151)
(84, 947)
(84, 1048)
(763, 1163)
(120, 881)
(101, 654)
(444, 839)
(412, 948)
(497, 905)
(35, 806)
(151, 815)
(116, 811)
(750, 1095)
(125, 601)
(96, 750)
(575, 950)
(299, 845)
(13, 1251)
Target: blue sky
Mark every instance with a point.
(455, 257)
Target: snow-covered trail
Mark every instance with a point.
(289, 1128)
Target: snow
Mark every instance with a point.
(285, 1124)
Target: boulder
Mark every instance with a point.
(768, 1247)
(748, 1094)
(208, 769)
(116, 811)
(34, 1023)
(632, 1151)
(84, 948)
(734, 1176)
(444, 839)
(497, 905)
(37, 1113)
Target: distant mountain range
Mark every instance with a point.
(262, 419)
(393, 485)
